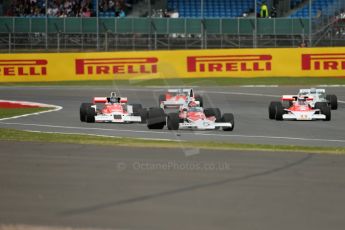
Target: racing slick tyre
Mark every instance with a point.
(272, 109)
(162, 97)
(143, 115)
(173, 121)
(228, 118)
(156, 118)
(326, 110)
(82, 111)
(333, 101)
(320, 105)
(218, 114)
(279, 111)
(136, 109)
(90, 115)
(200, 100)
(209, 112)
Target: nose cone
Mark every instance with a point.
(114, 108)
(197, 116)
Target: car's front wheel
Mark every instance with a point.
(272, 109)
(228, 118)
(173, 121)
(90, 115)
(156, 118)
(82, 111)
(333, 101)
(279, 111)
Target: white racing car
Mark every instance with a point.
(319, 96)
(112, 109)
(174, 98)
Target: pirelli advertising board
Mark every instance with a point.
(294, 62)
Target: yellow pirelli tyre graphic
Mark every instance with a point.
(227, 63)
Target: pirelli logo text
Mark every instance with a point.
(229, 63)
(99, 66)
(23, 68)
(333, 61)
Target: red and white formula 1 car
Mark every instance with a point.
(112, 109)
(299, 109)
(175, 98)
(191, 117)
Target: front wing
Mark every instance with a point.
(302, 116)
(204, 125)
(172, 104)
(117, 118)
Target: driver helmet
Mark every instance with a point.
(192, 104)
(113, 98)
(301, 101)
(313, 91)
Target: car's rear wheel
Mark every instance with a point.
(333, 101)
(173, 121)
(326, 110)
(213, 112)
(136, 108)
(228, 118)
(156, 118)
(143, 115)
(320, 105)
(82, 111)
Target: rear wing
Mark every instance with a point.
(295, 97)
(123, 100)
(320, 90)
(100, 100)
(309, 91)
(190, 92)
(289, 97)
(107, 99)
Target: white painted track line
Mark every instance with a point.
(166, 132)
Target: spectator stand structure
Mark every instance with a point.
(192, 25)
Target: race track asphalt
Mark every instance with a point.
(249, 105)
(86, 186)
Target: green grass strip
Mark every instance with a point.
(28, 136)
(288, 81)
(11, 112)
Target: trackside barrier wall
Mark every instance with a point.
(238, 26)
(227, 63)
